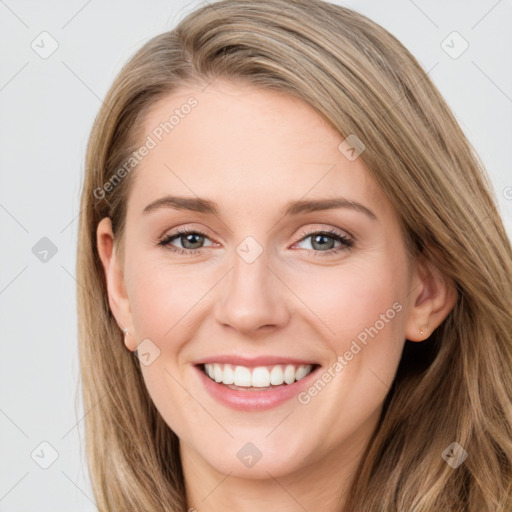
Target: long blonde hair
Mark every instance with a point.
(454, 387)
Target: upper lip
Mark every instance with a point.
(252, 362)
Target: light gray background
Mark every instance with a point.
(47, 107)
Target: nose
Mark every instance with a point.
(252, 298)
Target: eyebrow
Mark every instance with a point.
(200, 205)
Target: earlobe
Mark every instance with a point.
(114, 279)
(433, 295)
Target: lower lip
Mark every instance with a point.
(253, 400)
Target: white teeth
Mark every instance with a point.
(242, 376)
(229, 375)
(259, 377)
(289, 374)
(301, 372)
(276, 376)
(217, 373)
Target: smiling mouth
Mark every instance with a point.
(259, 378)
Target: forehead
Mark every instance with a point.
(246, 141)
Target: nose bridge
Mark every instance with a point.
(252, 296)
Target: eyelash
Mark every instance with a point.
(346, 243)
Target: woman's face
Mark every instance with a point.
(294, 263)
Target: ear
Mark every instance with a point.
(114, 277)
(432, 297)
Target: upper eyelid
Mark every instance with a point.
(329, 231)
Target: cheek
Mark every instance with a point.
(362, 316)
(161, 296)
(162, 300)
(361, 311)
(352, 299)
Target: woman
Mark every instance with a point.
(372, 374)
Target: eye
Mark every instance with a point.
(189, 238)
(320, 239)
